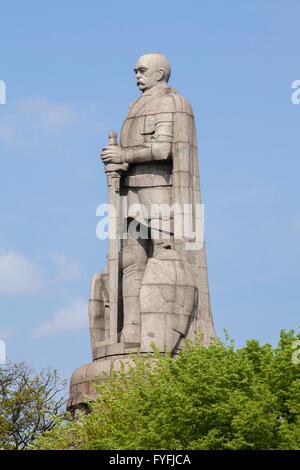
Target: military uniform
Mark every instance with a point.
(158, 138)
(159, 272)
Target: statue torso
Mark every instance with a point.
(139, 129)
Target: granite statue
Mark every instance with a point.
(155, 286)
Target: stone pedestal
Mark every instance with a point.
(81, 389)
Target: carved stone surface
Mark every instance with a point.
(155, 289)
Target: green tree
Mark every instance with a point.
(29, 403)
(208, 398)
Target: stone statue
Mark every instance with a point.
(155, 288)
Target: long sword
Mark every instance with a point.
(113, 172)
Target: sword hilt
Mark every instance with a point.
(112, 138)
(114, 167)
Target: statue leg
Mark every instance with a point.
(167, 294)
(134, 259)
(99, 311)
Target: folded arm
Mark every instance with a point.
(159, 147)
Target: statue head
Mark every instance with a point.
(152, 69)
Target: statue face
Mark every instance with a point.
(148, 73)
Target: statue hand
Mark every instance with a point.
(112, 154)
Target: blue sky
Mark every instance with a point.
(68, 66)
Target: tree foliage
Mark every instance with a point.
(208, 398)
(29, 403)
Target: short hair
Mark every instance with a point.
(163, 63)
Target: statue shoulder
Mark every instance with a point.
(182, 104)
(166, 101)
(162, 102)
(170, 101)
(134, 102)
